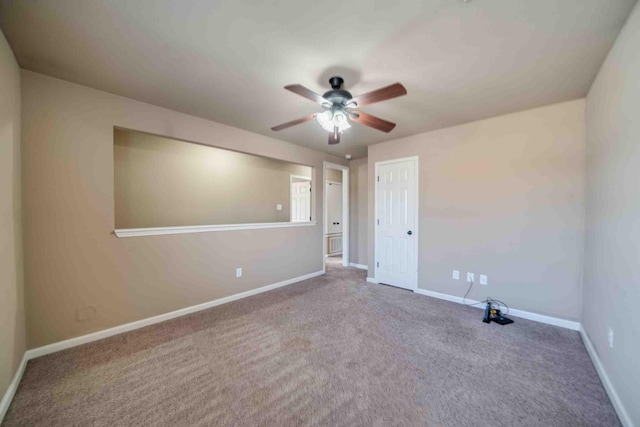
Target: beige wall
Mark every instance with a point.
(612, 267)
(502, 197)
(163, 182)
(12, 322)
(72, 258)
(334, 175)
(358, 211)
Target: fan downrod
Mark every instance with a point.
(337, 96)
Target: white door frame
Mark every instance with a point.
(345, 211)
(416, 159)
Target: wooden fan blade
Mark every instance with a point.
(293, 122)
(389, 92)
(307, 93)
(372, 121)
(334, 138)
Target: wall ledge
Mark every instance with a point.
(156, 231)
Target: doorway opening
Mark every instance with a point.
(335, 215)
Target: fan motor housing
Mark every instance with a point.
(337, 96)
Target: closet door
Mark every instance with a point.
(334, 208)
(301, 201)
(337, 214)
(396, 221)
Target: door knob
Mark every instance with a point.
(409, 232)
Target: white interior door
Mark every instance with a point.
(396, 232)
(301, 201)
(334, 208)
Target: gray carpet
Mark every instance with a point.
(333, 350)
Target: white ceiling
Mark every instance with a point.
(228, 60)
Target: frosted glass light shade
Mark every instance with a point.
(328, 121)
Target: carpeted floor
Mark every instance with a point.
(333, 350)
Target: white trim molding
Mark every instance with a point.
(156, 231)
(372, 280)
(305, 178)
(13, 386)
(563, 323)
(625, 419)
(360, 266)
(83, 339)
(346, 221)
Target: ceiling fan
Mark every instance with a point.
(339, 104)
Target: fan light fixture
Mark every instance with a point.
(330, 120)
(339, 104)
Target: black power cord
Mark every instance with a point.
(489, 300)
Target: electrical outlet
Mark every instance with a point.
(278, 207)
(484, 280)
(456, 275)
(239, 272)
(470, 277)
(610, 338)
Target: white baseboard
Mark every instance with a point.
(625, 419)
(73, 342)
(360, 266)
(13, 386)
(83, 339)
(563, 323)
(549, 320)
